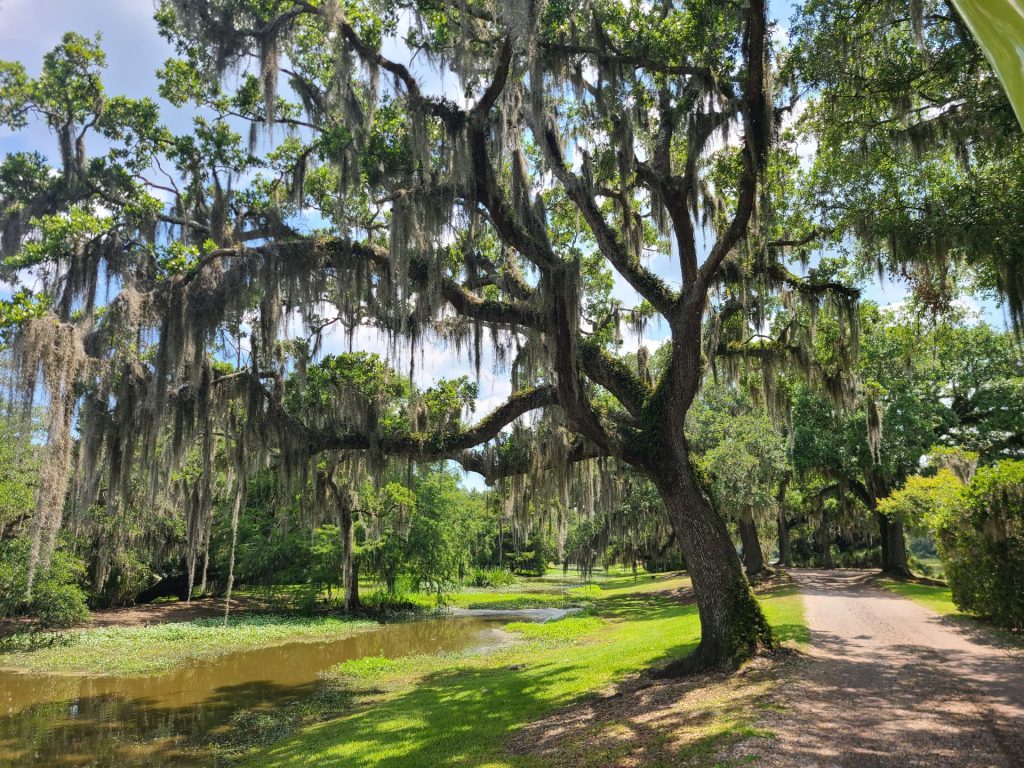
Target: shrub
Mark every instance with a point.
(870, 557)
(979, 532)
(57, 600)
(56, 605)
(491, 577)
(383, 603)
(982, 549)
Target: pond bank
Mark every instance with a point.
(182, 716)
(476, 709)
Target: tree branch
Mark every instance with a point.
(643, 281)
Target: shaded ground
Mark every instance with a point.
(652, 723)
(889, 684)
(163, 613)
(155, 613)
(884, 683)
(695, 721)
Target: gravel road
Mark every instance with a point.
(887, 683)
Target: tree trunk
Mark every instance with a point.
(753, 557)
(349, 575)
(785, 542)
(894, 547)
(352, 588)
(825, 542)
(732, 624)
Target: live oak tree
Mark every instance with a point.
(573, 141)
(936, 381)
(917, 149)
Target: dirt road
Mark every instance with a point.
(889, 683)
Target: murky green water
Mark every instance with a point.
(55, 720)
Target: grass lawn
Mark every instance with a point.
(937, 598)
(932, 567)
(524, 596)
(459, 710)
(154, 648)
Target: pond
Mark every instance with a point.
(63, 720)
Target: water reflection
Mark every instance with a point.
(54, 720)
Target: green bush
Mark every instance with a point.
(987, 577)
(491, 577)
(56, 605)
(57, 599)
(979, 531)
(870, 557)
(384, 603)
(982, 549)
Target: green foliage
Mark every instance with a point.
(491, 577)
(67, 91)
(274, 548)
(57, 599)
(983, 550)
(21, 306)
(534, 558)
(738, 449)
(443, 525)
(979, 528)
(933, 502)
(917, 146)
(19, 468)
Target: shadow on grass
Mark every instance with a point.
(462, 716)
(451, 718)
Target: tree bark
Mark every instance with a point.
(825, 542)
(732, 624)
(349, 572)
(894, 547)
(753, 557)
(785, 541)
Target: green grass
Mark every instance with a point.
(457, 710)
(785, 610)
(147, 649)
(505, 600)
(934, 597)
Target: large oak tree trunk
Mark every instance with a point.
(732, 624)
(753, 557)
(894, 547)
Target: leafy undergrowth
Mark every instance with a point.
(462, 709)
(155, 648)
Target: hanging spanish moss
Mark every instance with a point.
(50, 352)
